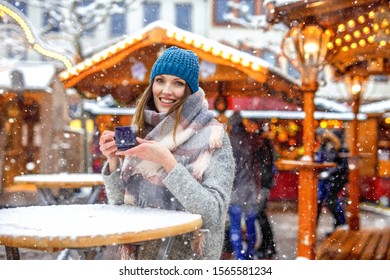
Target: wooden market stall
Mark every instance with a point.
(33, 105)
(33, 113)
(353, 38)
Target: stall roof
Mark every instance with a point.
(375, 89)
(36, 75)
(331, 110)
(300, 115)
(376, 107)
(123, 68)
(359, 44)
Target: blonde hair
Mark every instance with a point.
(146, 100)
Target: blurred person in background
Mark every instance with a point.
(265, 168)
(243, 199)
(332, 180)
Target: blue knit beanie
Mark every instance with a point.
(180, 63)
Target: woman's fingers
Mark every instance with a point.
(107, 143)
(147, 150)
(109, 146)
(140, 141)
(107, 135)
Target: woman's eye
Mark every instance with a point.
(159, 80)
(179, 83)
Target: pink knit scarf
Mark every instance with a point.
(197, 135)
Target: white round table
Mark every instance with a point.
(45, 184)
(54, 227)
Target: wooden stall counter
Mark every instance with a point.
(288, 165)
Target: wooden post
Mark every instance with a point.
(354, 178)
(308, 123)
(307, 184)
(2, 144)
(307, 213)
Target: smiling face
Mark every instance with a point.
(167, 90)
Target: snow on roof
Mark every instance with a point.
(37, 75)
(258, 114)
(207, 44)
(376, 107)
(300, 115)
(212, 43)
(95, 109)
(331, 105)
(281, 2)
(334, 109)
(337, 90)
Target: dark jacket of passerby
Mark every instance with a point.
(265, 158)
(334, 151)
(265, 155)
(244, 185)
(332, 180)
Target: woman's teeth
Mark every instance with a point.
(166, 100)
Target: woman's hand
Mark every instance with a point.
(151, 151)
(108, 148)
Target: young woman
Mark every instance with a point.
(183, 160)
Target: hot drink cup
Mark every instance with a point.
(125, 137)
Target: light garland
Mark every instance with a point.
(31, 38)
(367, 34)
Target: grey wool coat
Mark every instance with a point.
(209, 198)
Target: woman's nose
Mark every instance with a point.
(167, 88)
